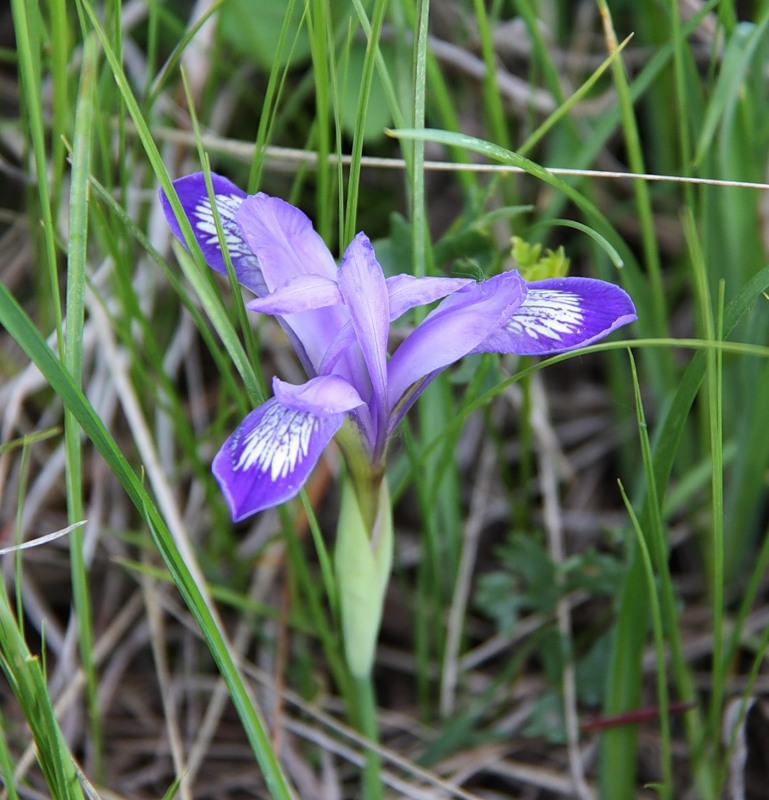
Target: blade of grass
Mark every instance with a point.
(369, 62)
(420, 250)
(169, 68)
(619, 747)
(541, 48)
(25, 679)
(390, 91)
(682, 98)
(738, 56)
(666, 755)
(497, 123)
(60, 52)
(77, 261)
(714, 406)
(27, 20)
(211, 302)
(563, 108)
(610, 251)
(641, 190)
(321, 56)
(20, 327)
(28, 439)
(6, 763)
(337, 93)
(272, 94)
(251, 349)
(438, 93)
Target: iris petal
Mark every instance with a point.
(300, 294)
(562, 314)
(287, 246)
(363, 287)
(324, 395)
(268, 458)
(455, 328)
(407, 292)
(193, 195)
(283, 239)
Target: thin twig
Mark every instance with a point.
(472, 533)
(288, 157)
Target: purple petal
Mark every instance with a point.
(287, 246)
(363, 287)
(339, 349)
(300, 294)
(454, 329)
(562, 314)
(406, 291)
(193, 195)
(324, 395)
(270, 455)
(283, 239)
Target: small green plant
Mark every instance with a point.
(538, 265)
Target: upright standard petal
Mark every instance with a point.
(283, 239)
(362, 284)
(562, 314)
(455, 328)
(193, 195)
(287, 246)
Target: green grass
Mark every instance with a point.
(158, 650)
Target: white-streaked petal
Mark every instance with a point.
(548, 315)
(270, 455)
(278, 446)
(562, 314)
(193, 195)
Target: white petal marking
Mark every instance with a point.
(548, 315)
(277, 444)
(227, 205)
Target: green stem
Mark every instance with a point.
(371, 779)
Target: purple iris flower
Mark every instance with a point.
(338, 320)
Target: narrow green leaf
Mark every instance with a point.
(738, 55)
(77, 261)
(20, 327)
(221, 320)
(25, 678)
(500, 154)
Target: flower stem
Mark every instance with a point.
(371, 779)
